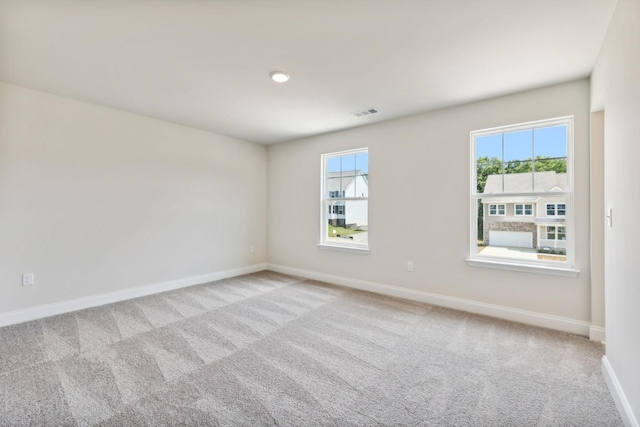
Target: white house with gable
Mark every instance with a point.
(352, 189)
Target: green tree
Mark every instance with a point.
(486, 166)
(542, 164)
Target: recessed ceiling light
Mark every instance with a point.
(279, 76)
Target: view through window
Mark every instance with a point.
(345, 194)
(521, 194)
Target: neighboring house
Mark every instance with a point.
(525, 222)
(348, 211)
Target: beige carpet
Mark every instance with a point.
(268, 349)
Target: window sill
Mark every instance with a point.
(353, 249)
(524, 268)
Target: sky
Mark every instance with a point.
(350, 162)
(549, 141)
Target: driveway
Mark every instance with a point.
(501, 251)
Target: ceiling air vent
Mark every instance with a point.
(367, 112)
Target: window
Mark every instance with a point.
(562, 233)
(556, 233)
(530, 163)
(345, 194)
(336, 209)
(497, 210)
(554, 209)
(524, 210)
(561, 209)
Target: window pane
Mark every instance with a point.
(348, 186)
(334, 187)
(551, 209)
(361, 188)
(562, 233)
(541, 237)
(347, 176)
(489, 162)
(561, 209)
(333, 165)
(348, 165)
(518, 149)
(362, 162)
(349, 223)
(550, 154)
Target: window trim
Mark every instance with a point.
(566, 268)
(324, 242)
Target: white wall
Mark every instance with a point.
(616, 88)
(94, 200)
(597, 223)
(419, 204)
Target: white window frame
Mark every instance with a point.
(523, 209)
(556, 232)
(326, 198)
(497, 205)
(566, 268)
(556, 209)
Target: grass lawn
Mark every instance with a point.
(342, 231)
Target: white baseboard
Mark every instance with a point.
(596, 333)
(522, 316)
(47, 310)
(628, 418)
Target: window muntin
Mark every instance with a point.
(562, 233)
(497, 210)
(556, 233)
(336, 209)
(559, 209)
(523, 209)
(345, 193)
(524, 165)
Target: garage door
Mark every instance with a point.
(513, 239)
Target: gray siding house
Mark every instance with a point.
(525, 221)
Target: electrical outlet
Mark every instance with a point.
(409, 265)
(28, 279)
(252, 248)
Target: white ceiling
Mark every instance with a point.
(206, 64)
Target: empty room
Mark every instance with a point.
(319, 212)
